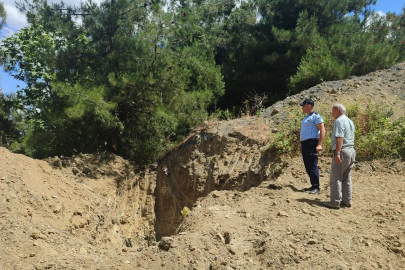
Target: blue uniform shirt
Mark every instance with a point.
(309, 129)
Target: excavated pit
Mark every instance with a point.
(146, 204)
(204, 163)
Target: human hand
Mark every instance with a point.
(319, 148)
(338, 160)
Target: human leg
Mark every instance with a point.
(350, 156)
(310, 157)
(336, 175)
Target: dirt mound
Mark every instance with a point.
(103, 212)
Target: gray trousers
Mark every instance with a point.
(340, 180)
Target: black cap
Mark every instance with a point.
(307, 101)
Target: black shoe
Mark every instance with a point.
(314, 191)
(345, 204)
(308, 189)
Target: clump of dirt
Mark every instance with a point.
(103, 212)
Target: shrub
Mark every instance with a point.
(377, 135)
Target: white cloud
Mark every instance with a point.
(381, 13)
(17, 20)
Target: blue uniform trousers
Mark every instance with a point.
(310, 157)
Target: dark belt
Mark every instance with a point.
(308, 140)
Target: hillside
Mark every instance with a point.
(103, 212)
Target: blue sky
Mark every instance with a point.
(16, 20)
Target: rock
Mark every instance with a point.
(124, 218)
(397, 249)
(327, 248)
(312, 241)
(232, 250)
(35, 234)
(305, 211)
(282, 214)
(275, 111)
(221, 238)
(57, 163)
(57, 208)
(213, 251)
(293, 102)
(79, 222)
(233, 264)
(166, 243)
(227, 237)
(75, 171)
(215, 194)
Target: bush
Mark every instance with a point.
(377, 135)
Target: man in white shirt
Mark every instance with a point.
(343, 159)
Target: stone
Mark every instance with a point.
(327, 248)
(35, 234)
(312, 241)
(75, 171)
(275, 111)
(293, 102)
(57, 208)
(79, 222)
(220, 238)
(282, 214)
(397, 249)
(232, 250)
(166, 243)
(213, 251)
(233, 264)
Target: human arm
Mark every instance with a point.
(339, 143)
(321, 128)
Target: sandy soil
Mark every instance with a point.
(49, 220)
(103, 212)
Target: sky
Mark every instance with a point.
(17, 20)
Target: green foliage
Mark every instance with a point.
(130, 78)
(298, 44)
(287, 139)
(345, 49)
(134, 76)
(3, 15)
(377, 135)
(12, 120)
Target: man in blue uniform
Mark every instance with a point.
(311, 137)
